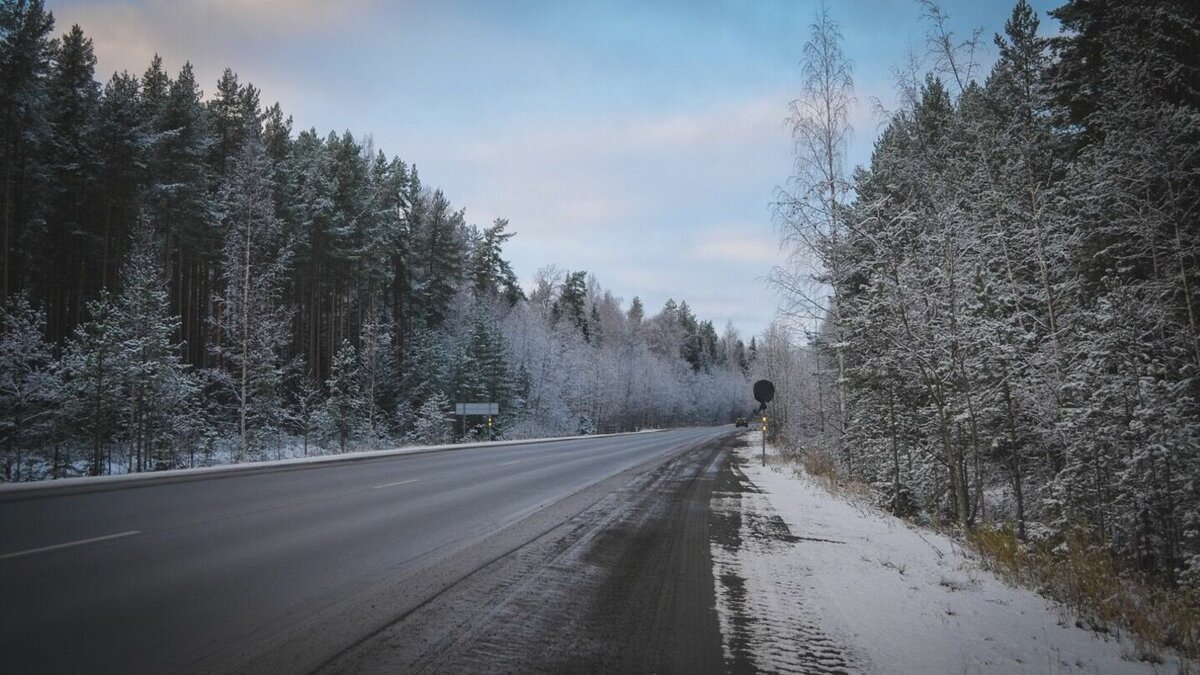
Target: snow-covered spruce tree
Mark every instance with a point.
(159, 408)
(572, 302)
(255, 256)
(92, 368)
(1026, 250)
(466, 380)
(632, 345)
(345, 404)
(125, 381)
(479, 369)
(431, 423)
(426, 373)
(1137, 337)
(30, 391)
(903, 310)
(487, 348)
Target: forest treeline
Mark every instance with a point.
(188, 281)
(1004, 321)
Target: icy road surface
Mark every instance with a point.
(279, 570)
(625, 586)
(812, 583)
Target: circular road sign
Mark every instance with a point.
(764, 391)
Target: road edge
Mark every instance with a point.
(13, 492)
(394, 600)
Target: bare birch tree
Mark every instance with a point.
(809, 208)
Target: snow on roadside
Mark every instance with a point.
(813, 583)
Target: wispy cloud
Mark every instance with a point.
(747, 243)
(603, 172)
(709, 130)
(162, 23)
(272, 17)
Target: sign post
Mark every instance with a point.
(764, 391)
(764, 440)
(464, 410)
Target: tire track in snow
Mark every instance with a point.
(764, 624)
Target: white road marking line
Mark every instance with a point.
(515, 461)
(81, 542)
(403, 482)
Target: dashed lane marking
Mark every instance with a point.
(402, 482)
(55, 547)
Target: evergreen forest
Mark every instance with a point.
(188, 280)
(1002, 326)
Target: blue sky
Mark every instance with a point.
(641, 141)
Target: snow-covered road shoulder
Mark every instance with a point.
(811, 582)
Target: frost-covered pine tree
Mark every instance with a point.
(93, 370)
(439, 247)
(491, 275)
(179, 201)
(1125, 83)
(1024, 246)
(345, 405)
(26, 55)
(376, 372)
(159, 409)
(121, 138)
(427, 370)
(431, 422)
(255, 256)
(30, 389)
(306, 407)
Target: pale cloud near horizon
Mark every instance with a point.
(607, 194)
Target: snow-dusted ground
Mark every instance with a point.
(816, 583)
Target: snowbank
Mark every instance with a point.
(818, 583)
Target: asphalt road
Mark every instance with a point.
(624, 586)
(285, 570)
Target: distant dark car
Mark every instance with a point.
(741, 422)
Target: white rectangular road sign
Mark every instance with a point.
(476, 408)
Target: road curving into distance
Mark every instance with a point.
(283, 569)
